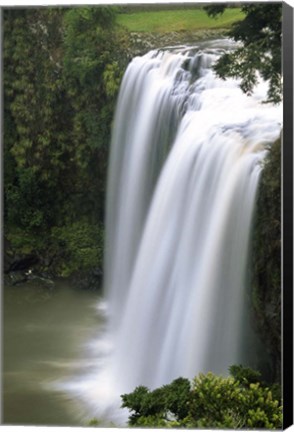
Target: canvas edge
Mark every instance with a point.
(287, 218)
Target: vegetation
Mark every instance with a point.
(164, 21)
(266, 260)
(260, 33)
(62, 70)
(260, 54)
(238, 401)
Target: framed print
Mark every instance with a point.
(147, 224)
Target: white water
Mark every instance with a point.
(186, 157)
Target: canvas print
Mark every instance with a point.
(142, 215)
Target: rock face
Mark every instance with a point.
(26, 269)
(21, 264)
(90, 280)
(266, 260)
(144, 42)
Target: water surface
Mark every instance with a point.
(45, 335)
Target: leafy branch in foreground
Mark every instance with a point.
(260, 34)
(209, 401)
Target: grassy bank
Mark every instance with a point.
(164, 21)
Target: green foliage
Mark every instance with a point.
(260, 34)
(82, 246)
(62, 71)
(25, 242)
(214, 402)
(66, 249)
(30, 202)
(94, 422)
(266, 258)
(210, 401)
(32, 138)
(244, 375)
(92, 68)
(152, 408)
(214, 10)
(177, 397)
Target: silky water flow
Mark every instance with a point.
(186, 156)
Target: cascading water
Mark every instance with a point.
(186, 157)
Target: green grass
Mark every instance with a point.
(164, 21)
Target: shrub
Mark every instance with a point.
(210, 401)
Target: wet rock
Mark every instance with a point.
(90, 280)
(144, 42)
(22, 264)
(21, 277)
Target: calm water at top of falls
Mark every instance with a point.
(186, 157)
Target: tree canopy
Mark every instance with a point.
(62, 70)
(260, 35)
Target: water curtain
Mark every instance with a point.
(186, 157)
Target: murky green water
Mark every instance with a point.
(44, 330)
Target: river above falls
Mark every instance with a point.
(46, 335)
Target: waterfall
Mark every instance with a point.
(186, 157)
